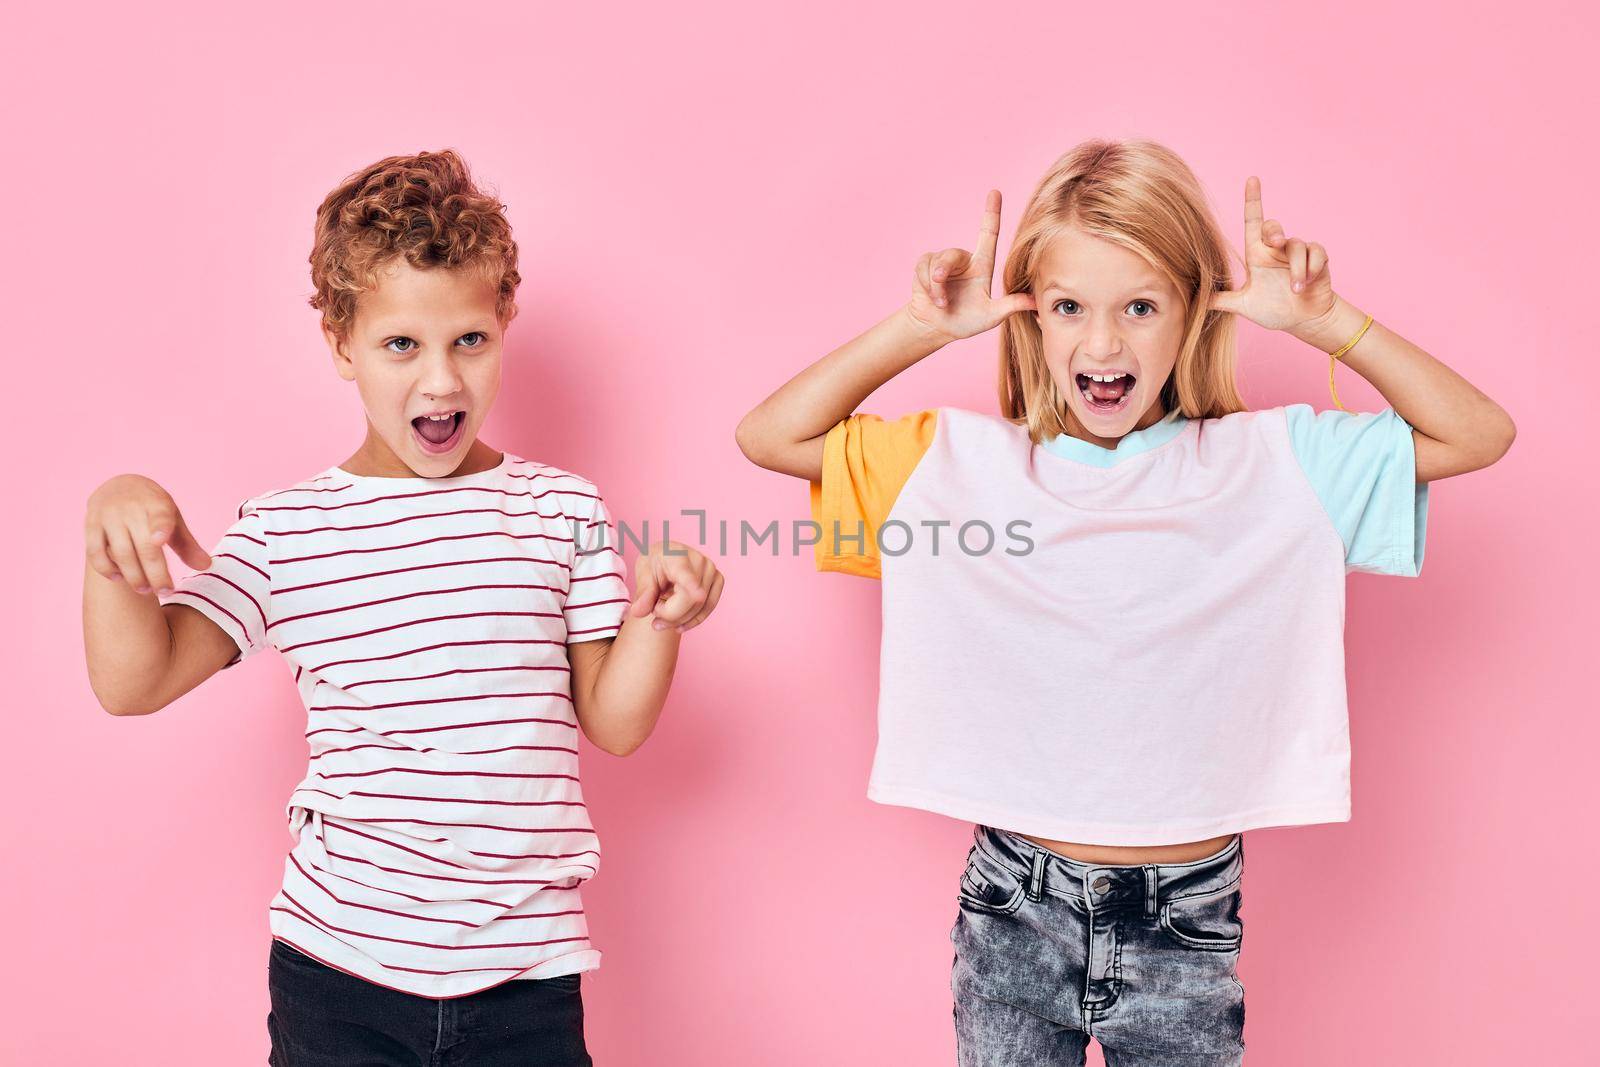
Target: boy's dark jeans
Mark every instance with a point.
(1051, 952)
(322, 1017)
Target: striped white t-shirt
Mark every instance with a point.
(441, 833)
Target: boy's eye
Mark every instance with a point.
(475, 339)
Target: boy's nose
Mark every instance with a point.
(440, 379)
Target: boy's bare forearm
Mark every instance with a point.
(811, 402)
(142, 655)
(127, 641)
(630, 688)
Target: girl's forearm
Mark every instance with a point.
(127, 642)
(1436, 401)
(632, 686)
(810, 403)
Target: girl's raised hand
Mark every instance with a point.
(951, 298)
(1287, 285)
(130, 521)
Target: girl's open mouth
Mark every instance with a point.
(1106, 394)
(437, 435)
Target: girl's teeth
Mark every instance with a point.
(1089, 398)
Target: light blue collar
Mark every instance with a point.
(1129, 445)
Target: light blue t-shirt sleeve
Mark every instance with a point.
(1363, 468)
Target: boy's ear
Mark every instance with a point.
(342, 363)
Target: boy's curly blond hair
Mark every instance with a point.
(423, 207)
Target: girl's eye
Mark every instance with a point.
(1073, 304)
(475, 344)
(389, 344)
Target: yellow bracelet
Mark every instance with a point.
(1333, 358)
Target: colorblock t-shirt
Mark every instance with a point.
(440, 831)
(1131, 646)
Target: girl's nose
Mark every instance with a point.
(1102, 340)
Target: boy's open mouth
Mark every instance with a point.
(1106, 394)
(438, 434)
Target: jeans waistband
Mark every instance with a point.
(1104, 886)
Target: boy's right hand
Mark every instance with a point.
(131, 520)
(951, 298)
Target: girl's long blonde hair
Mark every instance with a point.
(1142, 196)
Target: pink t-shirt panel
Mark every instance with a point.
(1154, 655)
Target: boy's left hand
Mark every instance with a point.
(1287, 284)
(679, 584)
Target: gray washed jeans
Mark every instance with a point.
(1051, 952)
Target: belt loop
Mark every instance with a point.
(1036, 876)
(1150, 890)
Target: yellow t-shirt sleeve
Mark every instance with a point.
(866, 460)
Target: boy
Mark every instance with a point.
(453, 615)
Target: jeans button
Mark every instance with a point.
(1101, 884)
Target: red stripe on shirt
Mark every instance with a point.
(419, 518)
(399, 597)
(490, 826)
(374, 837)
(467, 800)
(225, 580)
(436, 729)
(286, 649)
(521, 494)
(242, 562)
(405, 941)
(446, 877)
(446, 774)
(593, 630)
(411, 896)
(597, 603)
(243, 630)
(418, 567)
(419, 544)
(453, 752)
(430, 648)
(460, 670)
(437, 700)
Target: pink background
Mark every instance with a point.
(705, 203)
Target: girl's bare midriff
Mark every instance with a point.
(1118, 855)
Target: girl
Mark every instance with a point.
(1113, 616)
